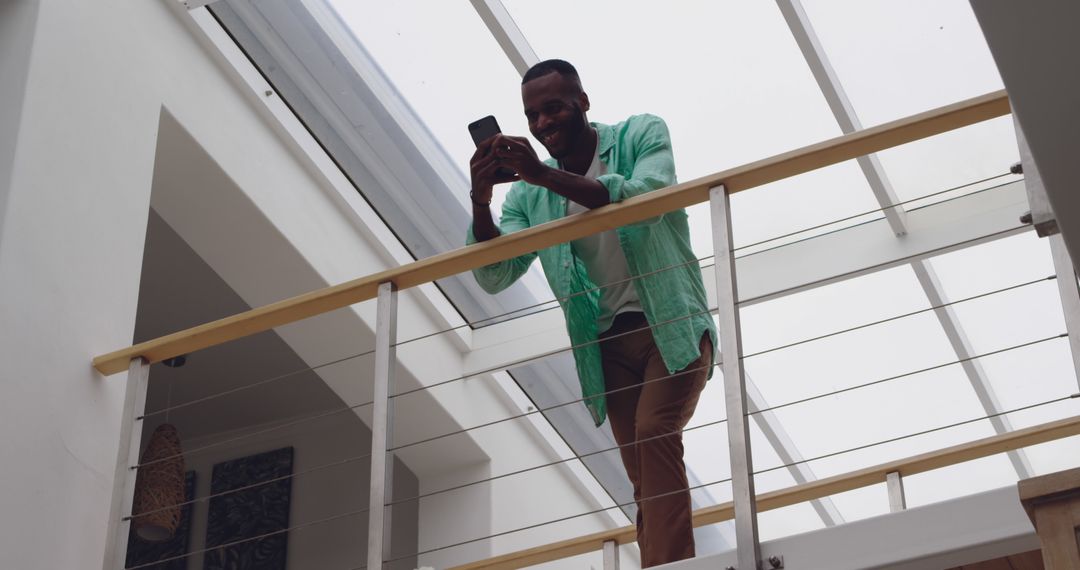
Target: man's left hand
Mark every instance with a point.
(517, 154)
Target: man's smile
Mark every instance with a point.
(551, 138)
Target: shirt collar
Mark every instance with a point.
(606, 137)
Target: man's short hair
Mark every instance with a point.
(552, 66)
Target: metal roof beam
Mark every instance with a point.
(507, 33)
(837, 99)
(785, 448)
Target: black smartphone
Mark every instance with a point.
(481, 130)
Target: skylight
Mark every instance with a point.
(734, 87)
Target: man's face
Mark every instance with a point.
(555, 107)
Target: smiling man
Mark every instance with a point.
(633, 297)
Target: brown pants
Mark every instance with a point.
(653, 413)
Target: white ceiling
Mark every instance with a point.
(179, 290)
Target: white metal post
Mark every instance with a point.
(742, 465)
(385, 334)
(611, 555)
(127, 456)
(895, 483)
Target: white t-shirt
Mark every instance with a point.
(605, 262)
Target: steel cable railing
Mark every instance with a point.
(759, 472)
(576, 457)
(422, 389)
(620, 505)
(329, 413)
(238, 542)
(900, 316)
(911, 373)
(785, 165)
(338, 411)
(553, 303)
(578, 400)
(882, 265)
(923, 432)
(283, 376)
(322, 415)
(245, 387)
(717, 188)
(695, 427)
(899, 204)
(603, 509)
(816, 338)
(412, 444)
(358, 406)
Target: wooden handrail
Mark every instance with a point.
(443, 265)
(793, 495)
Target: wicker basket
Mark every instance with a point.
(159, 487)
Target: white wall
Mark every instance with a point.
(71, 242)
(69, 265)
(317, 494)
(1035, 48)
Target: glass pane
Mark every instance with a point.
(896, 59)
(952, 159)
(730, 97)
(445, 63)
(909, 399)
(900, 58)
(1028, 375)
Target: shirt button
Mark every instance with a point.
(566, 264)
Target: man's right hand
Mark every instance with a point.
(484, 167)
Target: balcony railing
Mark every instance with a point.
(383, 287)
(656, 203)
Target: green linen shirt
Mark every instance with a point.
(638, 159)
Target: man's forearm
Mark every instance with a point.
(483, 225)
(585, 191)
